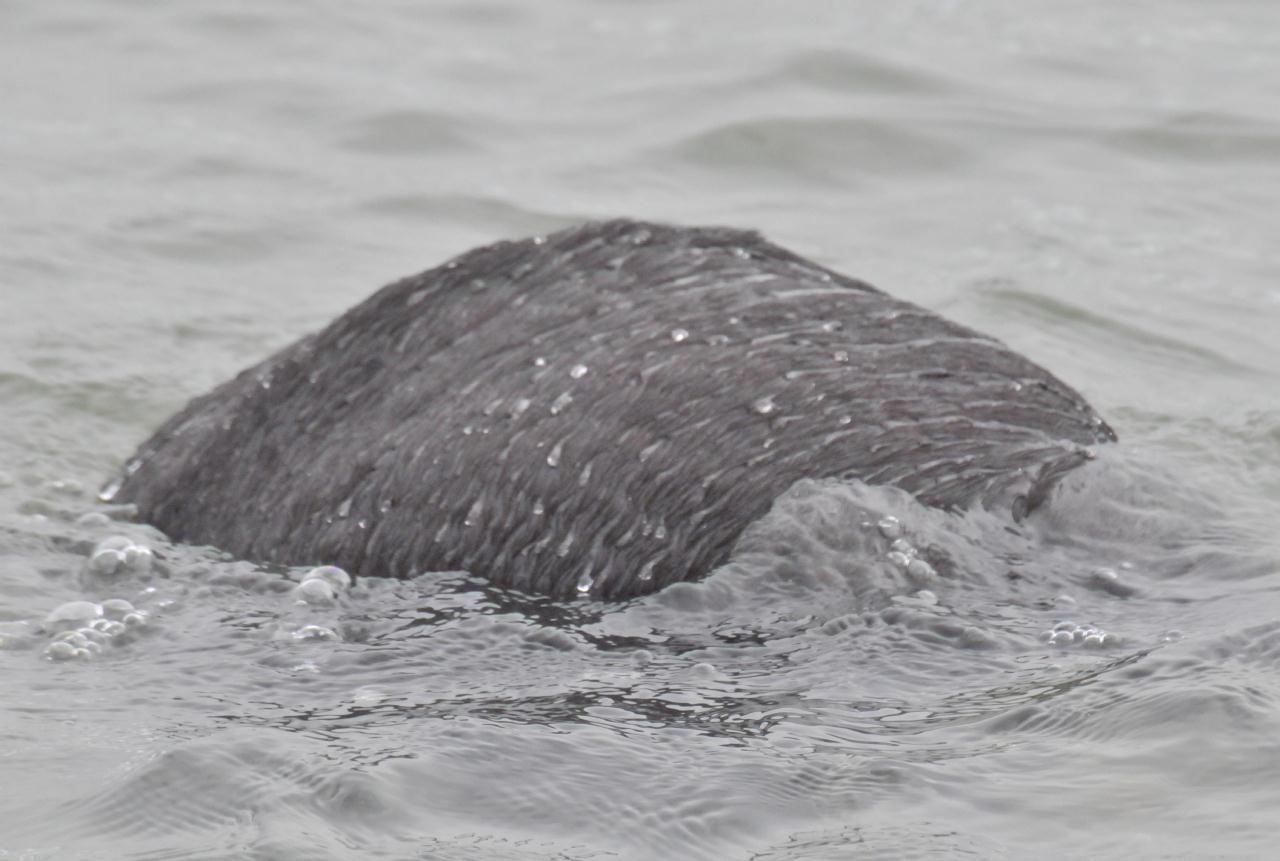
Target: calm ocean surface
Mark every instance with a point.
(186, 187)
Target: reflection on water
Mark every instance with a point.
(193, 187)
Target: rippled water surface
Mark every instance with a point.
(186, 187)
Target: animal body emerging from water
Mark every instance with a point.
(601, 411)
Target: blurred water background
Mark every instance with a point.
(186, 187)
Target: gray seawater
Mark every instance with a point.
(185, 187)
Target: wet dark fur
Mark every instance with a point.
(447, 423)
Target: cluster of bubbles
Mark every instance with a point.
(321, 586)
(82, 628)
(118, 554)
(906, 557)
(902, 553)
(1070, 634)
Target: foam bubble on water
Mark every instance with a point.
(315, 632)
(337, 577)
(920, 569)
(322, 585)
(1067, 633)
(1109, 580)
(901, 560)
(119, 554)
(703, 670)
(116, 608)
(973, 637)
(890, 527)
(63, 651)
(93, 520)
(315, 592)
(138, 558)
(368, 696)
(81, 628)
(72, 615)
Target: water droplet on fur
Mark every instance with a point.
(647, 451)
(553, 457)
(110, 489)
(764, 406)
(558, 405)
(679, 335)
(577, 372)
(565, 546)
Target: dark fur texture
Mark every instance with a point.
(606, 408)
